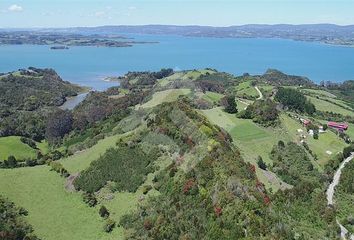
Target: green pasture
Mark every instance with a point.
(13, 146)
(54, 213)
(245, 88)
(169, 95)
(329, 107)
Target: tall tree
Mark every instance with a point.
(229, 103)
(59, 123)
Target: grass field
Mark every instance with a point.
(245, 88)
(82, 160)
(265, 89)
(13, 146)
(254, 141)
(251, 139)
(212, 97)
(165, 81)
(329, 107)
(350, 131)
(54, 213)
(327, 141)
(193, 75)
(165, 96)
(57, 214)
(319, 92)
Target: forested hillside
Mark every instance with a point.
(26, 98)
(195, 154)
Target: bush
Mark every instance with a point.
(109, 225)
(261, 111)
(315, 135)
(58, 167)
(261, 164)
(89, 199)
(103, 212)
(146, 189)
(347, 151)
(11, 162)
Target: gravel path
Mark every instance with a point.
(259, 92)
(330, 194)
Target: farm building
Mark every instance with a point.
(305, 122)
(338, 126)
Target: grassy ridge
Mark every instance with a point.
(165, 96)
(13, 146)
(82, 160)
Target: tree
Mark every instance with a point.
(229, 103)
(103, 212)
(11, 162)
(281, 144)
(347, 151)
(261, 164)
(59, 123)
(315, 135)
(309, 108)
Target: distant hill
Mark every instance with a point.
(327, 33)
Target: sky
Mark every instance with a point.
(71, 13)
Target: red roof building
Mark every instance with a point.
(339, 126)
(307, 122)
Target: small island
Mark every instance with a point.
(62, 41)
(59, 47)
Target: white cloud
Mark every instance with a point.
(15, 8)
(100, 13)
(132, 8)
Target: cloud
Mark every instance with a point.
(100, 13)
(132, 8)
(15, 8)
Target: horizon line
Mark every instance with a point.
(183, 25)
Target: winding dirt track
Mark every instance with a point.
(330, 194)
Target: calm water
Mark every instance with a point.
(89, 65)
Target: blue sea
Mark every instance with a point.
(89, 65)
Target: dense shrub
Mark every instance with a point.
(229, 103)
(59, 123)
(29, 142)
(292, 164)
(89, 199)
(294, 100)
(12, 224)
(125, 166)
(261, 111)
(347, 151)
(347, 178)
(26, 99)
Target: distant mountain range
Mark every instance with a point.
(326, 33)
